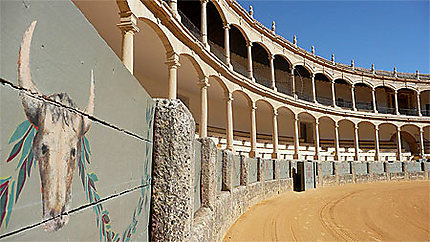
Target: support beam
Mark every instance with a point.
(275, 153)
(333, 93)
(356, 143)
(336, 140)
(293, 83)
(399, 143)
(229, 122)
(353, 98)
(250, 74)
(422, 151)
(375, 108)
(377, 143)
(173, 65)
(419, 105)
(128, 27)
(296, 136)
(204, 26)
(314, 90)
(203, 127)
(396, 102)
(227, 45)
(272, 72)
(317, 140)
(253, 152)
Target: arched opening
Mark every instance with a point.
(327, 139)
(410, 140)
(286, 133)
(426, 137)
(385, 100)
(323, 89)
(303, 82)
(407, 100)
(264, 118)
(343, 93)
(217, 111)
(363, 97)
(261, 65)
(388, 142)
(366, 141)
(425, 103)
(283, 76)
(241, 123)
(306, 136)
(238, 51)
(190, 12)
(346, 140)
(215, 31)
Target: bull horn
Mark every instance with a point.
(31, 105)
(90, 107)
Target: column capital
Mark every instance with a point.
(128, 22)
(317, 122)
(356, 126)
(248, 44)
(229, 97)
(204, 1)
(253, 106)
(336, 125)
(395, 91)
(376, 128)
(275, 113)
(399, 129)
(172, 60)
(204, 83)
(226, 26)
(421, 129)
(271, 57)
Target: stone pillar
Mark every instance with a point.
(203, 127)
(253, 135)
(333, 93)
(422, 151)
(399, 143)
(419, 105)
(377, 143)
(229, 121)
(227, 45)
(293, 83)
(272, 71)
(336, 138)
(396, 102)
(314, 92)
(250, 75)
(174, 6)
(375, 108)
(174, 155)
(296, 137)
(317, 140)
(275, 153)
(204, 26)
(227, 170)
(244, 171)
(128, 27)
(353, 98)
(209, 173)
(356, 143)
(173, 65)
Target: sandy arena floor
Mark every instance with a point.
(378, 211)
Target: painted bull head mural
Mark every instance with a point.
(56, 144)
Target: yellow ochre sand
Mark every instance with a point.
(363, 212)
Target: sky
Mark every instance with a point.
(385, 33)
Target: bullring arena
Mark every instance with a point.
(216, 126)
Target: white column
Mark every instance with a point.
(314, 90)
(336, 140)
(419, 105)
(253, 152)
(375, 109)
(399, 143)
(229, 117)
(272, 71)
(173, 65)
(296, 137)
(203, 127)
(204, 27)
(353, 98)
(317, 140)
(174, 6)
(250, 75)
(356, 143)
(293, 83)
(376, 143)
(227, 45)
(396, 102)
(128, 27)
(422, 151)
(275, 135)
(333, 93)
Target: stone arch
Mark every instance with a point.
(305, 65)
(283, 77)
(220, 82)
(244, 34)
(247, 97)
(220, 10)
(261, 64)
(195, 63)
(326, 74)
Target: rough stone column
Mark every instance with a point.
(336, 173)
(336, 140)
(352, 170)
(275, 135)
(369, 171)
(353, 98)
(317, 140)
(173, 194)
(422, 142)
(227, 170)
(314, 91)
(419, 105)
(253, 152)
(333, 93)
(272, 72)
(260, 170)
(396, 102)
(209, 173)
(426, 173)
(356, 143)
(293, 83)
(276, 171)
(296, 137)
(250, 75)
(405, 170)
(204, 25)
(128, 27)
(375, 108)
(399, 143)
(244, 171)
(229, 120)
(377, 143)
(227, 45)
(203, 127)
(320, 175)
(173, 65)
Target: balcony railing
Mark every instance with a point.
(325, 100)
(343, 103)
(217, 50)
(425, 112)
(190, 26)
(283, 88)
(304, 96)
(263, 80)
(408, 111)
(364, 106)
(386, 110)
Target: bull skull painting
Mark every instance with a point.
(56, 144)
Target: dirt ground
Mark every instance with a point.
(363, 212)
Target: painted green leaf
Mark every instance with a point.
(20, 131)
(15, 150)
(3, 203)
(30, 159)
(2, 181)
(26, 147)
(21, 180)
(10, 204)
(87, 145)
(93, 176)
